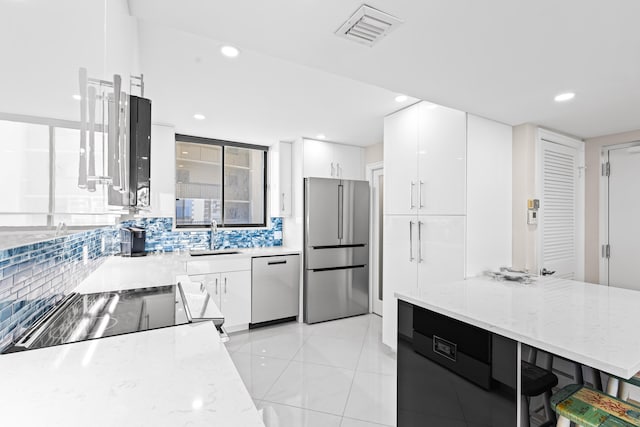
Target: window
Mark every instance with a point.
(220, 180)
(39, 169)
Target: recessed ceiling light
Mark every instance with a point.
(401, 98)
(564, 97)
(76, 97)
(199, 116)
(321, 136)
(185, 152)
(229, 51)
(180, 166)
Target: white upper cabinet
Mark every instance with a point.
(281, 179)
(442, 146)
(328, 160)
(425, 161)
(400, 162)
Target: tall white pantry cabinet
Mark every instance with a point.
(430, 154)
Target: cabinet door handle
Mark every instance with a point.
(338, 170)
(282, 202)
(420, 194)
(411, 258)
(225, 285)
(420, 259)
(411, 204)
(216, 286)
(332, 169)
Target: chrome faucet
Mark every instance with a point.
(61, 229)
(214, 231)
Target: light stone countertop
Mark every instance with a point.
(176, 376)
(591, 324)
(158, 269)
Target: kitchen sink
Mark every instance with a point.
(207, 252)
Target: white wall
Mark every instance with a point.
(374, 153)
(524, 235)
(489, 194)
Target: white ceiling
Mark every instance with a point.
(502, 59)
(254, 98)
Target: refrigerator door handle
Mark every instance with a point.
(340, 211)
(411, 258)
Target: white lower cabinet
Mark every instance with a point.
(232, 294)
(419, 250)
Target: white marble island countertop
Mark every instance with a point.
(177, 376)
(591, 324)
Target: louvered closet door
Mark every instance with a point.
(560, 211)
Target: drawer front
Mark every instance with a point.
(468, 339)
(218, 265)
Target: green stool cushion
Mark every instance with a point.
(591, 408)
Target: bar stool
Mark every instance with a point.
(592, 408)
(535, 382)
(618, 387)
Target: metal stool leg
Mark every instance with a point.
(612, 386)
(563, 422)
(597, 379)
(577, 374)
(524, 405)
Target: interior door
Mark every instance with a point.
(624, 211)
(377, 200)
(561, 214)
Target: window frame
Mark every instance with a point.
(51, 213)
(224, 143)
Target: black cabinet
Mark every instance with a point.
(451, 374)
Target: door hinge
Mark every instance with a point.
(606, 169)
(606, 251)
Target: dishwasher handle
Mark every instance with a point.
(277, 262)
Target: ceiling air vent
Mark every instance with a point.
(368, 25)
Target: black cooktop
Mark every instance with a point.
(84, 317)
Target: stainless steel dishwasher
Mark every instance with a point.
(275, 288)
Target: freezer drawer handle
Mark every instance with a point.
(356, 245)
(348, 267)
(276, 262)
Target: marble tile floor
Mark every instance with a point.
(331, 374)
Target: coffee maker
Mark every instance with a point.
(132, 240)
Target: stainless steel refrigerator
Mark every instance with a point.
(336, 253)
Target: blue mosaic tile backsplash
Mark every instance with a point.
(34, 277)
(161, 237)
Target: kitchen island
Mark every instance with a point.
(459, 358)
